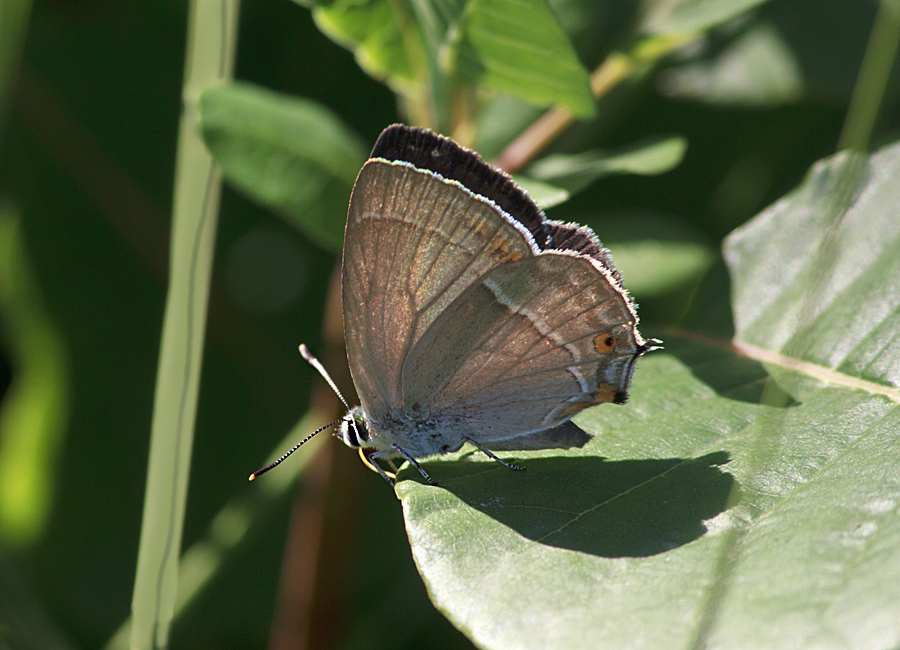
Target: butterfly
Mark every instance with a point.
(468, 316)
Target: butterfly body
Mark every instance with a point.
(415, 431)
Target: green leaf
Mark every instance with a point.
(574, 172)
(290, 154)
(404, 43)
(544, 194)
(694, 16)
(749, 493)
(436, 19)
(518, 47)
(512, 46)
(757, 69)
(833, 296)
(35, 410)
(656, 254)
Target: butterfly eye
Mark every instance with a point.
(354, 431)
(362, 431)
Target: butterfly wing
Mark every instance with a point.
(414, 242)
(567, 435)
(526, 347)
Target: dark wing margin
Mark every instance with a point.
(582, 240)
(427, 150)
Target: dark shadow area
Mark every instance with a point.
(626, 508)
(5, 374)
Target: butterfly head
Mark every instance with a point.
(353, 430)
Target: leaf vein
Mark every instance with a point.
(808, 368)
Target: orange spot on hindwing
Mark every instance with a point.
(605, 393)
(604, 343)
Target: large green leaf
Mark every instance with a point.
(512, 46)
(748, 494)
(290, 154)
(518, 47)
(821, 286)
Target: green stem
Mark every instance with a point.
(14, 15)
(873, 77)
(614, 70)
(210, 56)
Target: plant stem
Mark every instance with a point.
(210, 56)
(614, 70)
(873, 77)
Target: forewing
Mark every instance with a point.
(525, 348)
(413, 243)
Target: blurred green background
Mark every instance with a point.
(89, 131)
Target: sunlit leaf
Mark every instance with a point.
(34, 412)
(544, 194)
(518, 47)
(821, 286)
(574, 172)
(746, 496)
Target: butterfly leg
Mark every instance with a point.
(383, 474)
(373, 465)
(414, 463)
(487, 452)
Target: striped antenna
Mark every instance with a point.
(304, 351)
(265, 469)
